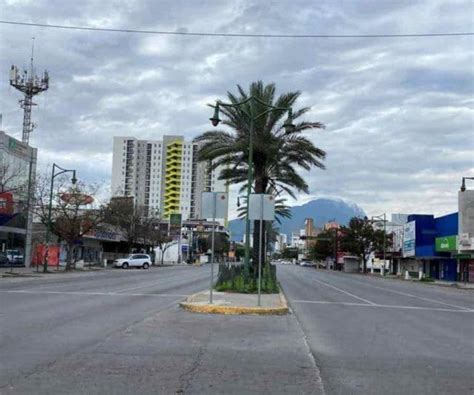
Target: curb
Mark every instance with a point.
(235, 310)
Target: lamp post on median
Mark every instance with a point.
(250, 113)
(54, 174)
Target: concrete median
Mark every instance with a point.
(229, 303)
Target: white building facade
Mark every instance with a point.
(162, 175)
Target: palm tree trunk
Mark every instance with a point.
(260, 187)
(256, 245)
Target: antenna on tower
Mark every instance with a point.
(30, 85)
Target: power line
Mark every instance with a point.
(171, 33)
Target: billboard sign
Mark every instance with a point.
(398, 239)
(466, 220)
(446, 244)
(409, 239)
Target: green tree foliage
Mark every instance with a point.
(290, 253)
(277, 155)
(324, 245)
(361, 238)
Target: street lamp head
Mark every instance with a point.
(215, 118)
(288, 125)
(74, 179)
(463, 185)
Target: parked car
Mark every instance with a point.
(14, 257)
(306, 262)
(134, 260)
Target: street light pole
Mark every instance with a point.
(289, 127)
(249, 191)
(50, 205)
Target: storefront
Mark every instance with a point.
(445, 268)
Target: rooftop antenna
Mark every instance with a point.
(30, 85)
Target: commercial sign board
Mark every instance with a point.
(397, 243)
(175, 226)
(446, 244)
(409, 239)
(466, 220)
(17, 147)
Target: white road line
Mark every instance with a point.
(388, 306)
(413, 296)
(154, 283)
(330, 302)
(91, 293)
(345, 292)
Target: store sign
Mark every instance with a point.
(446, 244)
(175, 219)
(409, 239)
(17, 147)
(175, 226)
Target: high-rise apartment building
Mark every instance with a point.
(162, 175)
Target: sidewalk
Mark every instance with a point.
(440, 283)
(6, 271)
(236, 303)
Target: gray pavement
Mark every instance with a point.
(375, 336)
(122, 332)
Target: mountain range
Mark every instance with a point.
(322, 210)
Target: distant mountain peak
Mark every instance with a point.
(321, 210)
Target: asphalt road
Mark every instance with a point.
(121, 332)
(381, 336)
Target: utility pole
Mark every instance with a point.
(30, 85)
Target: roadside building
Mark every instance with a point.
(17, 170)
(162, 175)
(418, 245)
(446, 245)
(429, 247)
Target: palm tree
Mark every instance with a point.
(277, 155)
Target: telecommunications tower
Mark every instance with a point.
(30, 85)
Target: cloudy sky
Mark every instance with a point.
(399, 111)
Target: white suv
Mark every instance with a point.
(134, 260)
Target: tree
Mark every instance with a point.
(277, 155)
(154, 231)
(125, 214)
(360, 238)
(13, 179)
(72, 214)
(324, 245)
(290, 253)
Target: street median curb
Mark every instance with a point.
(206, 308)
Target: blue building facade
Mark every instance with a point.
(427, 260)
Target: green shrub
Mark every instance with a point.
(427, 279)
(233, 279)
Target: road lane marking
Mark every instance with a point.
(366, 283)
(154, 283)
(345, 292)
(388, 306)
(91, 293)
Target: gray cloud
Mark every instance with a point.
(399, 112)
